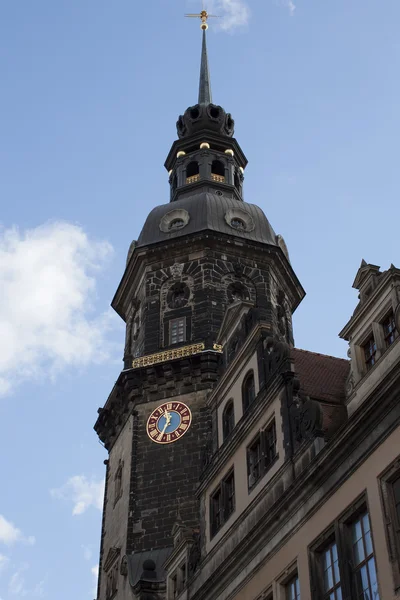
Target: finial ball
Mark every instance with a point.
(204, 26)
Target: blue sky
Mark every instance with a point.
(91, 91)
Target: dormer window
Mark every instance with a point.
(192, 172)
(370, 353)
(389, 329)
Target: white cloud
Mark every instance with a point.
(9, 534)
(82, 492)
(47, 290)
(4, 562)
(16, 585)
(290, 5)
(87, 552)
(95, 573)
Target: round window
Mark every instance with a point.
(237, 223)
(177, 224)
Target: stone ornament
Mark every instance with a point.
(176, 270)
(174, 220)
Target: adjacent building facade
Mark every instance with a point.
(241, 467)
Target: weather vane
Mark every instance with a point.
(204, 16)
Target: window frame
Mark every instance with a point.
(392, 521)
(264, 463)
(294, 579)
(246, 402)
(170, 325)
(370, 358)
(389, 318)
(340, 532)
(231, 422)
(224, 510)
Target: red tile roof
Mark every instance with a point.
(321, 377)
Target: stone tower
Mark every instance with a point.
(198, 261)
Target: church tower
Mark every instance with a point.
(206, 272)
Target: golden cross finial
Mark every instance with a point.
(204, 16)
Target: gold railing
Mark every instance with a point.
(159, 357)
(193, 178)
(218, 178)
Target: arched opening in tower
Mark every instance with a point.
(192, 172)
(218, 171)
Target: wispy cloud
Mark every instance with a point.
(87, 552)
(4, 562)
(82, 492)
(95, 574)
(17, 585)
(47, 282)
(9, 534)
(290, 5)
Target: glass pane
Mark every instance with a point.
(373, 578)
(328, 579)
(327, 559)
(336, 571)
(339, 594)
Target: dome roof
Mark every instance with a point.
(206, 211)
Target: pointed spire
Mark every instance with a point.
(205, 83)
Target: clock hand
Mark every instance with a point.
(167, 421)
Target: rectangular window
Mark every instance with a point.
(177, 330)
(396, 498)
(293, 589)
(229, 492)
(331, 586)
(270, 444)
(389, 330)
(342, 561)
(390, 495)
(370, 353)
(254, 462)
(222, 503)
(363, 562)
(216, 509)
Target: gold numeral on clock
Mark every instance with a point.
(153, 433)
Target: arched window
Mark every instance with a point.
(218, 171)
(248, 391)
(237, 181)
(228, 419)
(174, 183)
(192, 172)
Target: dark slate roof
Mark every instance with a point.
(321, 377)
(207, 212)
(135, 563)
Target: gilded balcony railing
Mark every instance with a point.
(218, 178)
(193, 178)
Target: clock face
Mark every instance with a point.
(169, 422)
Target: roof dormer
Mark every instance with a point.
(373, 331)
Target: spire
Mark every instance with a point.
(205, 83)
